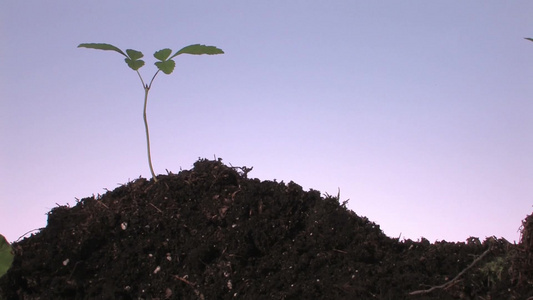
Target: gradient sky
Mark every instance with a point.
(420, 111)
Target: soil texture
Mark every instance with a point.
(213, 233)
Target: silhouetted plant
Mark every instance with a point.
(165, 64)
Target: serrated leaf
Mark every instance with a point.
(101, 46)
(134, 64)
(166, 66)
(529, 39)
(163, 54)
(198, 49)
(6, 256)
(134, 54)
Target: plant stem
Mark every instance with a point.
(146, 89)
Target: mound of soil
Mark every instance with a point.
(212, 233)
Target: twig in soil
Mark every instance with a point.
(197, 292)
(101, 203)
(244, 170)
(27, 233)
(340, 251)
(156, 208)
(184, 280)
(454, 280)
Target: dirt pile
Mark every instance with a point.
(212, 233)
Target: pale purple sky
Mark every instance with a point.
(420, 112)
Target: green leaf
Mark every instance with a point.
(134, 54)
(166, 66)
(163, 54)
(132, 59)
(198, 49)
(101, 46)
(134, 64)
(529, 39)
(6, 256)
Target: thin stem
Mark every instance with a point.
(140, 77)
(152, 79)
(146, 89)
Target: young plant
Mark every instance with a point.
(165, 64)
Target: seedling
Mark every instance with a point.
(165, 64)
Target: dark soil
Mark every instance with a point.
(212, 233)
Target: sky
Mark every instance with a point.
(419, 112)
